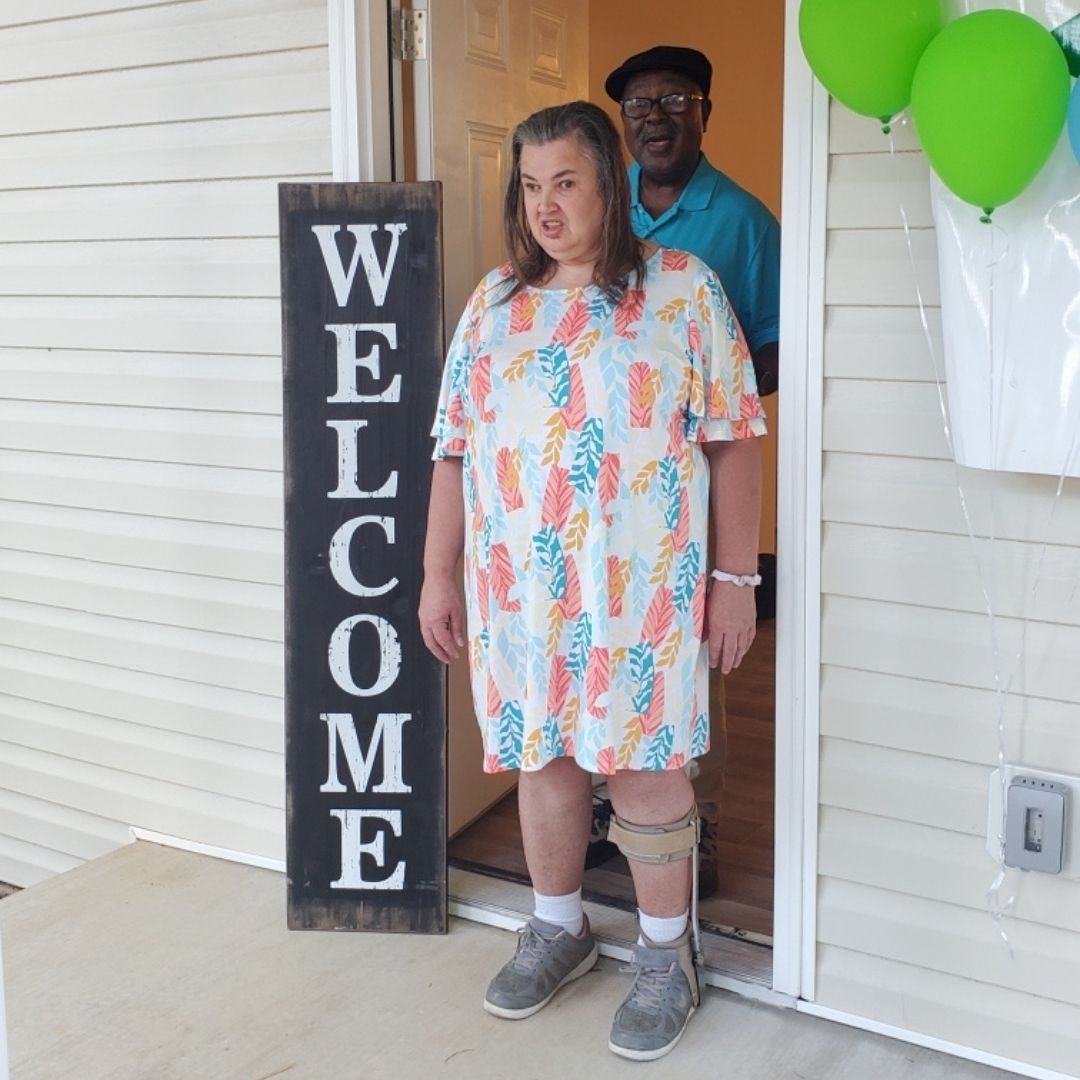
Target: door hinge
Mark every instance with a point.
(410, 35)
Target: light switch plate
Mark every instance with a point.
(1054, 782)
(1035, 823)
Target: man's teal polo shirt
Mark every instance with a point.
(732, 232)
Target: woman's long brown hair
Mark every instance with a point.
(620, 255)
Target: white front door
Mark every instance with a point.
(490, 63)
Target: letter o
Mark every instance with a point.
(389, 656)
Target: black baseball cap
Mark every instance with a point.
(689, 62)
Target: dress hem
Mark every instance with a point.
(493, 765)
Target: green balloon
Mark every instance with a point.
(989, 102)
(865, 51)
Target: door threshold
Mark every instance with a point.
(597, 891)
(743, 967)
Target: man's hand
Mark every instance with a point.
(767, 368)
(730, 624)
(442, 617)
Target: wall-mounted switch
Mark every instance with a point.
(1037, 827)
(1035, 823)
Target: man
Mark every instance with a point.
(681, 201)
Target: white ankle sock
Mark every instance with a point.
(564, 911)
(662, 931)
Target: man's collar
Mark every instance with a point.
(695, 196)
(699, 189)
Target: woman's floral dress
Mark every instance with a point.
(587, 502)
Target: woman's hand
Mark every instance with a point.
(730, 624)
(441, 611)
(735, 501)
(442, 616)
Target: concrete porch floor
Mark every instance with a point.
(157, 964)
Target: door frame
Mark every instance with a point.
(363, 127)
(799, 488)
(361, 105)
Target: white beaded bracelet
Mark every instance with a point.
(737, 579)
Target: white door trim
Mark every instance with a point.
(798, 644)
(423, 120)
(361, 110)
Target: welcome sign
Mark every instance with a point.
(365, 724)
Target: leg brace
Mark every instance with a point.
(658, 844)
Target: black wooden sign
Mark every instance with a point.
(365, 724)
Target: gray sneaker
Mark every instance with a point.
(547, 957)
(653, 1016)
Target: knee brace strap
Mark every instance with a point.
(656, 843)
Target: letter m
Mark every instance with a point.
(341, 729)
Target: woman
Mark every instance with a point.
(597, 398)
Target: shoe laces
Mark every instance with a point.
(531, 949)
(649, 985)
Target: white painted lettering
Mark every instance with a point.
(349, 463)
(352, 824)
(389, 655)
(340, 565)
(341, 728)
(378, 277)
(348, 363)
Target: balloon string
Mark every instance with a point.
(997, 909)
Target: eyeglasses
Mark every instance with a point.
(637, 108)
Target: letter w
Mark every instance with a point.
(341, 728)
(378, 277)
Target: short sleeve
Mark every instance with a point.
(724, 403)
(761, 288)
(448, 431)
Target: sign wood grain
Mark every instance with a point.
(365, 703)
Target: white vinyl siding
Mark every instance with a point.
(140, 416)
(909, 709)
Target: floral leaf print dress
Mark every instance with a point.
(586, 492)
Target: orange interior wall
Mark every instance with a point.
(744, 40)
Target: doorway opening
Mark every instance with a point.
(512, 61)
